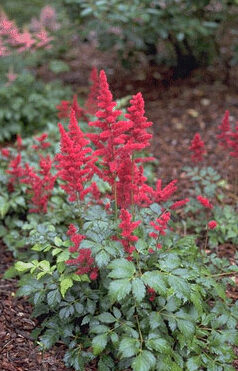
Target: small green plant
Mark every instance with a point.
(26, 105)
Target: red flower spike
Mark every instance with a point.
(41, 185)
(76, 165)
(165, 193)
(127, 227)
(19, 143)
(233, 143)
(178, 204)
(5, 152)
(138, 138)
(212, 224)
(204, 202)
(16, 171)
(91, 103)
(197, 148)
(42, 142)
(225, 131)
(160, 225)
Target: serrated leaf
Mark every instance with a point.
(22, 266)
(155, 280)
(144, 361)
(102, 259)
(159, 344)
(121, 268)
(194, 363)
(138, 289)
(99, 343)
(65, 284)
(180, 286)
(197, 301)
(66, 312)
(186, 327)
(129, 347)
(53, 297)
(119, 289)
(63, 256)
(106, 317)
(155, 320)
(49, 339)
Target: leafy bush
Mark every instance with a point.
(26, 105)
(103, 265)
(184, 32)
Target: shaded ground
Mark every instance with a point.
(17, 351)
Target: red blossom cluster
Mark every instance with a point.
(75, 237)
(228, 139)
(85, 264)
(42, 142)
(16, 171)
(204, 202)
(212, 224)
(91, 103)
(160, 225)
(197, 147)
(5, 152)
(75, 163)
(47, 20)
(41, 185)
(128, 227)
(11, 38)
(66, 106)
(152, 293)
(84, 261)
(178, 204)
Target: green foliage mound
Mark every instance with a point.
(182, 33)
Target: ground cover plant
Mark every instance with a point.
(101, 256)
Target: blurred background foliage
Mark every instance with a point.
(177, 34)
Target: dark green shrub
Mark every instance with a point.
(186, 30)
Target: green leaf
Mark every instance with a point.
(119, 289)
(106, 317)
(155, 280)
(99, 343)
(159, 344)
(49, 338)
(194, 363)
(58, 242)
(22, 266)
(121, 268)
(155, 320)
(129, 347)
(144, 361)
(66, 312)
(4, 207)
(180, 286)
(197, 301)
(186, 327)
(138, 289)
(65, 284)
(53, 297)
(102, 259)
(63, 256)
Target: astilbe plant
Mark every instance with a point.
(126, 291)
(12, 39)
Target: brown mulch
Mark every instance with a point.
(18, 352)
